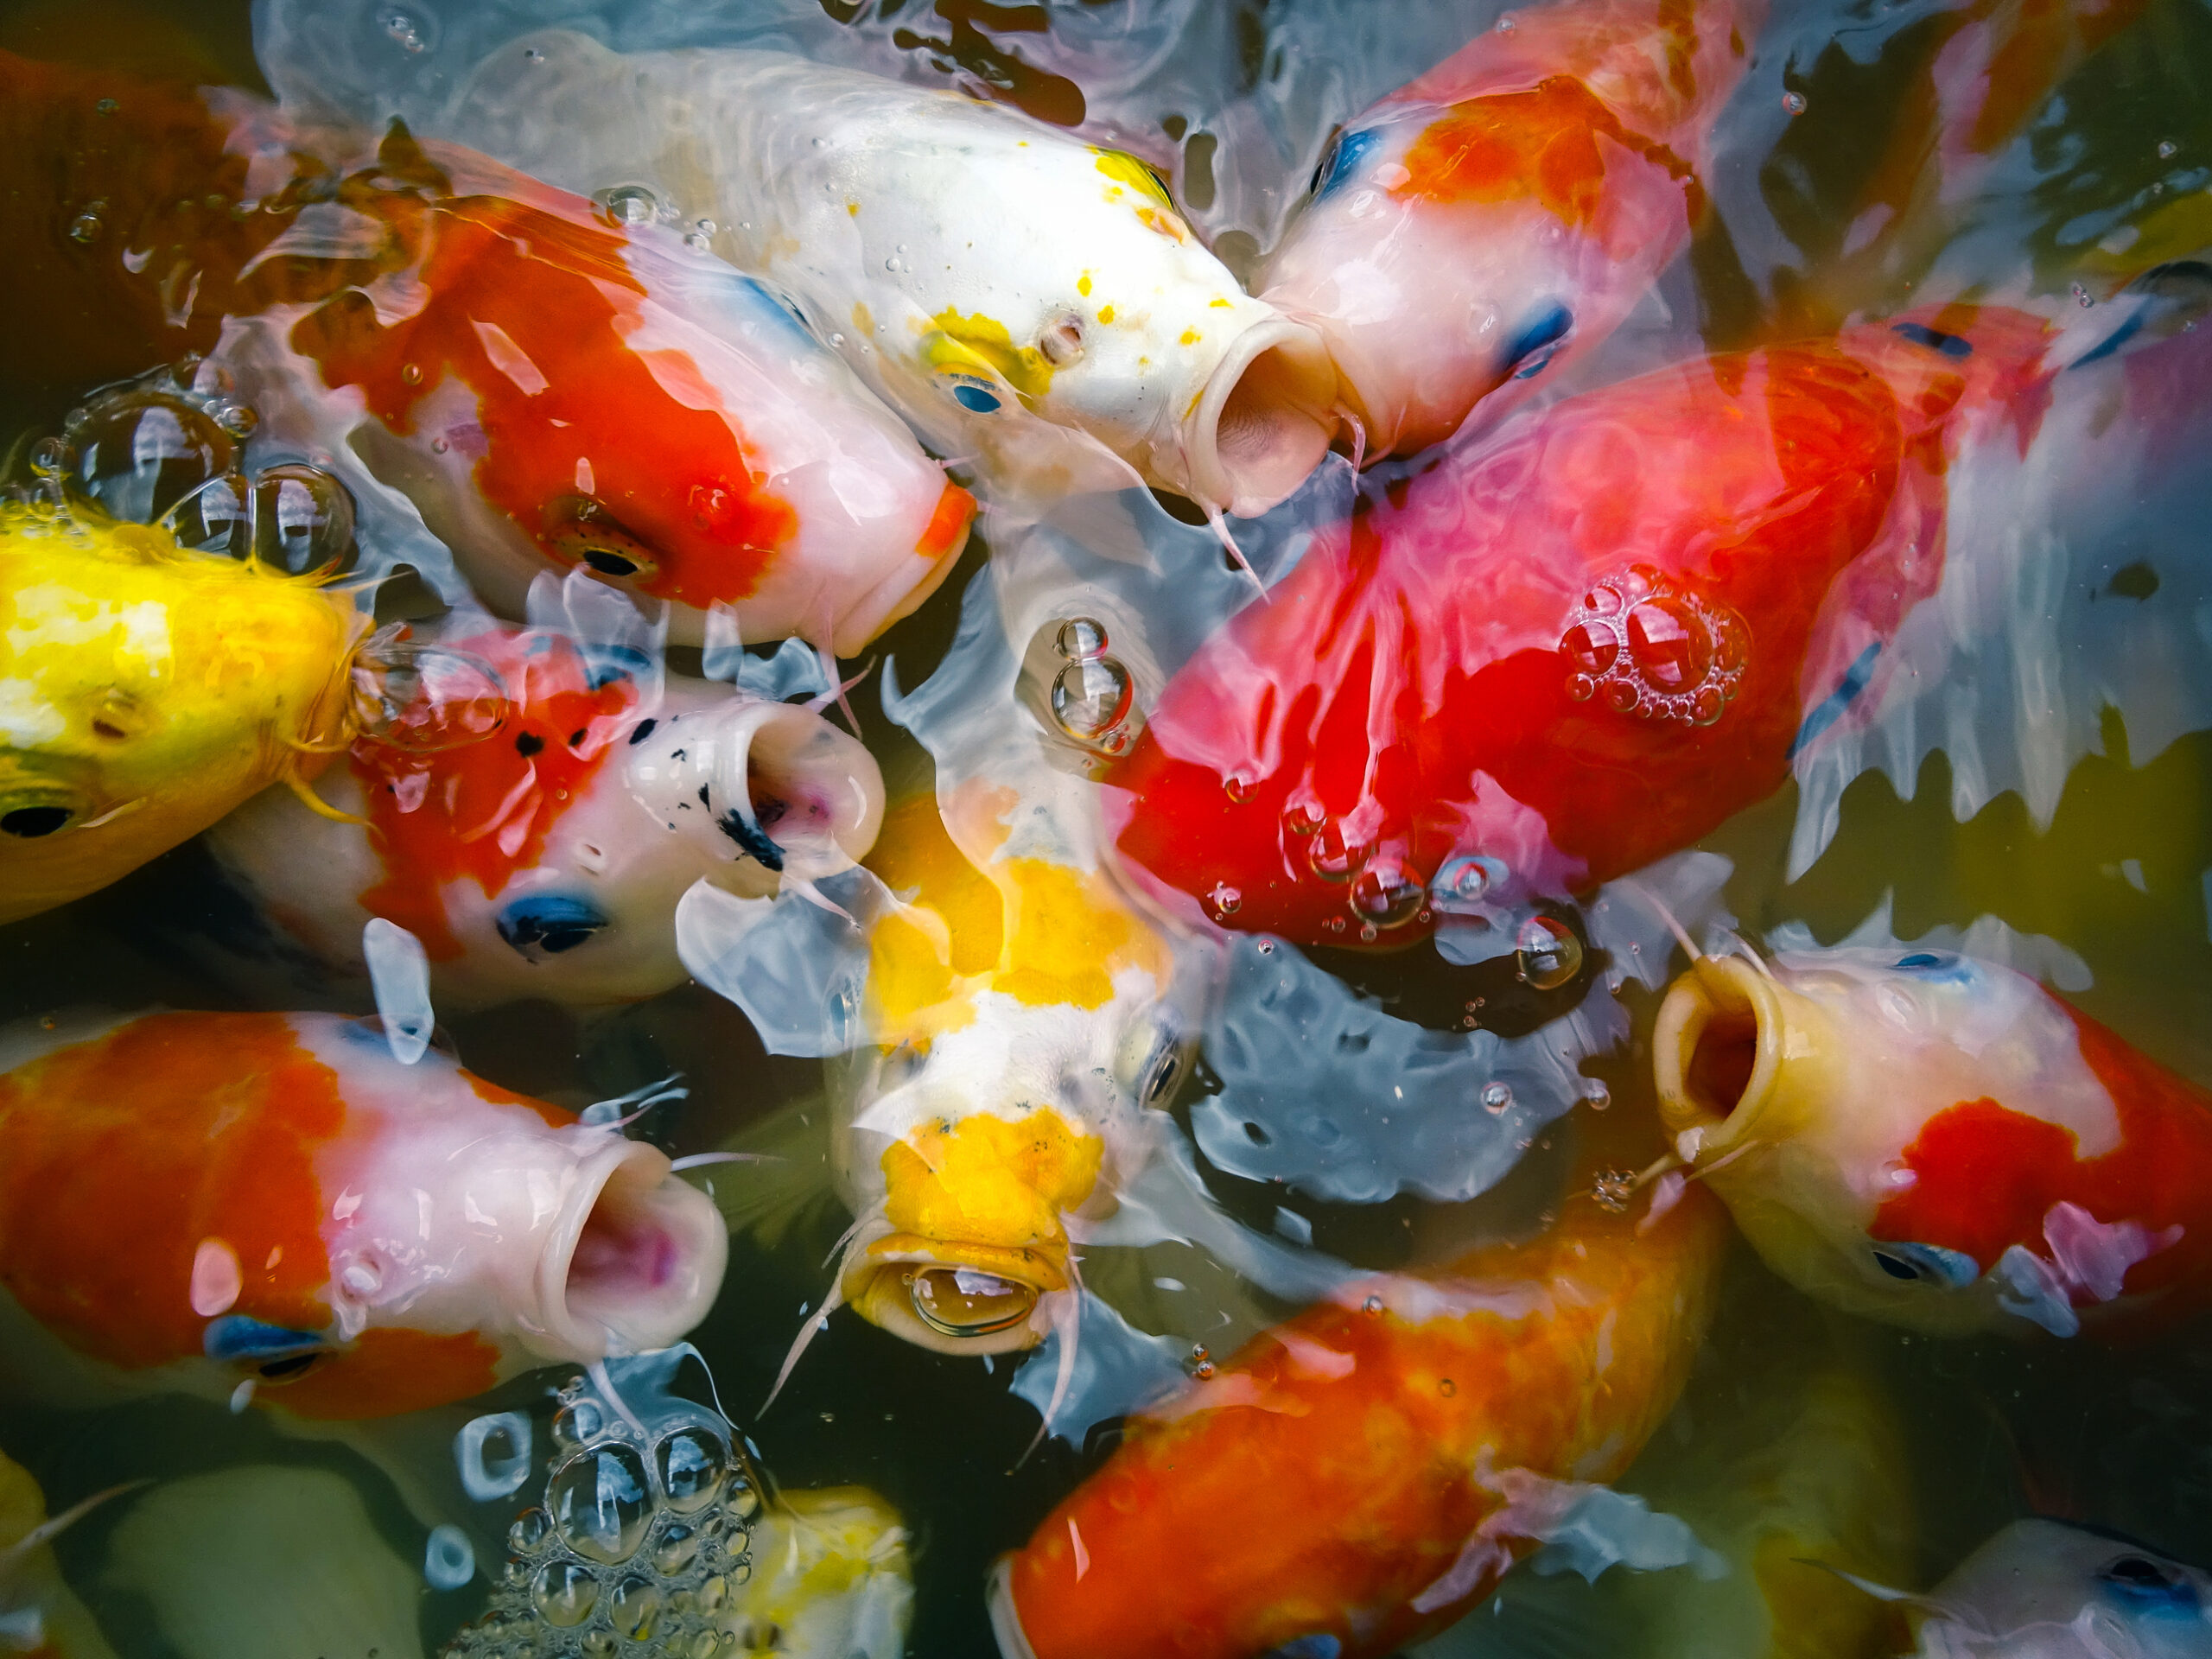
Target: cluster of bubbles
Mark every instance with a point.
(640, 1543)
(168, 449)
(1647, 646)
(1092, 698)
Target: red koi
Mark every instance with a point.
(1548, 661)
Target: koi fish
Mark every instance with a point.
(39, 1616)
(554, 387)
(547, 859)
(1552, 659)
(148, 690)
(203, 1201)
(2047, 1590)
(1024, 1018)
(1008, 288)
(1936, 1141)
(1505, 211)
(1408, 1439)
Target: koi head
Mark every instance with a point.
(2038, 1581)
(145, 691)
(1916, 1136)
(351, 1235)
(1027, 1018)
(572, 391)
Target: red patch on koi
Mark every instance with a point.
(120, 1155)
(1986, 1176)
(532, 312)
(1541, 143)
(484, 810)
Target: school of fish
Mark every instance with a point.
(1172, 755)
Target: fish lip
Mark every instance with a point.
(1005, 1617)
(1716, 986)
(899, 595)
(1287, 420)
(874, 1282)
(582, 1320)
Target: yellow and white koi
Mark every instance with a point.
(144, 692)
(1003, 285)
(39, 1616)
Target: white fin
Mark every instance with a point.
(399, 971)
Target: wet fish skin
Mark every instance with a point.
(1574, 648)
(192, 1202)
(1940, 1142)
(151, 689)
(1501, 215)
(1400, 1440)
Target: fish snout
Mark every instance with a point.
(957, 1297)
(1739, 1059)
(1264, 420)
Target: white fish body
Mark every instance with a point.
(2044, 1590)
(1004, 286)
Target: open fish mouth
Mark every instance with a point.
(1265, 419)
(954, 1298)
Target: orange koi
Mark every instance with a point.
(215, 1200)
(1408, 1439)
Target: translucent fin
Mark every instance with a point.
(399, 972)
(794, 965)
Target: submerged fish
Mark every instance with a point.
(1023, 1018)
(1008, 288)
(231, 1203)
(546, 858)
(552, 384)
(1508, 209)
(1557, 657)
(145, 691)
(40, 1615)
(655, 1526)
(1406, 1441)
(1936, 1141)
(2046, 1590)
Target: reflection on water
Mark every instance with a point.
(2058, 781)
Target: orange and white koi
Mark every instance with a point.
(1408, 1439)
(1936, 1141)
(1508, 209)
(552, 386)
(546, 858)
(1015, 293)
(208, 1201)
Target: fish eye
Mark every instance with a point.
(974, 393)
(1926, 1264)
(1531, 350)
(966, 1303)
(581, 528)
(291, 1368)
(1340, 160)
(2143, 1582)
(30, 823)
(1162, 1081)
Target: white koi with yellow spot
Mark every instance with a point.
(1010, 289)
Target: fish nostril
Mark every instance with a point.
(609, 564)
(1062, 343)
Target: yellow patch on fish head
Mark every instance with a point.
(1066, 937)
(987, 1180)
(1125, 168)
(952, 930)
(145, 691)
(978, 345)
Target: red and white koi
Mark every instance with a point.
(1936, 1141)
(231, 1203)
(552, 386)
(546, 858)
(1552, 659)
(1507, 210)
(1016, 294)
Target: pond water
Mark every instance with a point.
(2055, 779)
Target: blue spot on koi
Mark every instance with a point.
(1830, 708)
(1530, 352)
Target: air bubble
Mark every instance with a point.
(2167, 150)
(1387, 894)
(634, 1609)
(1645, 645)
(601, 1503)
(1372, 1304)
(411, 373)
(85, 227)
(528, 1533)
(577, 1424)
(1091, 699)
(1595, 1094)
(2082, 296)
(1546, 953)
(1333, 854)
(630, 204)
(1793, 103)
(564, 1593)
(139, 453)
(1463, 883)
(424, 699)
(1303, 817)
(1579, 687)
(1224, 901)
(1199, 1362)
(693, 1463)
(678, 1549)
(1080, 639)
(1612, 1189)
(1497, 1097)
(1237, 787)
(411, 33)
